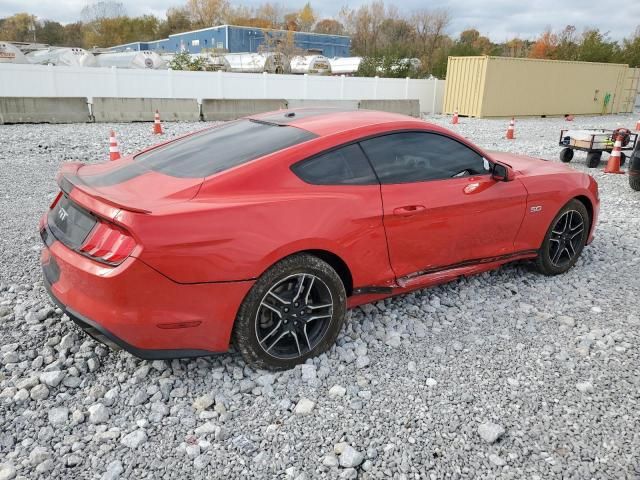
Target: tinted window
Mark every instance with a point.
(416, 157)
(343, 166)
(221, 148)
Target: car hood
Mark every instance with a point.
(128, 184)
(525, 165)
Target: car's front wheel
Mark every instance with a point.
(565, 239)
(293, 312)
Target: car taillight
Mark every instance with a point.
(55, 200)
(108, 243)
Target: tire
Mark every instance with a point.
(623, 158)
(593, 159)
(263, 328)
(566, 154)
(634, 182)
(570, 242)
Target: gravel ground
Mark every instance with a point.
(509, 374)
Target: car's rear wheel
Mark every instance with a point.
(634, 182)
(565, 239)
(566, 155)
(293, 312)
(593, 159)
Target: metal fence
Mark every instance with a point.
(49, 81)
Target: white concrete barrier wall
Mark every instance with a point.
(48, 81)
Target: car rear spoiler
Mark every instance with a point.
(68, 180)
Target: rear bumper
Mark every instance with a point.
(136, 308)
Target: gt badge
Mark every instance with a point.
(62, 213)
(536, 208)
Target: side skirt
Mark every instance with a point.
(435, 276)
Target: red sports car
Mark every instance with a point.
(263, 231)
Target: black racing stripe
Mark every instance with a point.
(114, 177)
(285, 117)
(65, 185)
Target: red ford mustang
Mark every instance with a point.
(265, 230)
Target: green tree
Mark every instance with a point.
(184, 61)
(329, 26)
(389, 67)
(21, 27)
(630, 52)
(596, 47)
(73, 35)
(306, 18)
(177, 21)
(567, 48)
(50, 32)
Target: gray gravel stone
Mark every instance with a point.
(53, 378)
(350, 457)
(113, 471)
(337, 391)
(7, 471)
(490, 432)
(304, 407)
(134, 439)
(98, 413)
(58, 416)
(584, 387)
(39, 392)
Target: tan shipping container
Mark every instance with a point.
(503, 87)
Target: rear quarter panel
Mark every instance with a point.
(247, 218)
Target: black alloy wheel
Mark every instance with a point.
(293, 316)
(565, 239)
(293, 312)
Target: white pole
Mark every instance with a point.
(305, 87)
(264, 84)
(435, 96)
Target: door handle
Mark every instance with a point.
(408, 210)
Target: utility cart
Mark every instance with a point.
(594, 142)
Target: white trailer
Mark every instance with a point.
(141, 59)
(9, 53)
(270, 62)
(345, 65)
(69, 57)
(311, 64)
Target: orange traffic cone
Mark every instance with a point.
(511, 130)
(157, 126)
(638, 126)
(114, 151)
(454, 120)
(613, 165)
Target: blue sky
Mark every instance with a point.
(497, 19)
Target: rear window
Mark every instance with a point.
(221, 148)
(342, 166)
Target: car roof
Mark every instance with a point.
(327, 121)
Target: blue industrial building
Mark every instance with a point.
(235, 39)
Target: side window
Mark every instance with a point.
(420, 156)
(343, 166)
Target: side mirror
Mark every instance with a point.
(500, 173)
